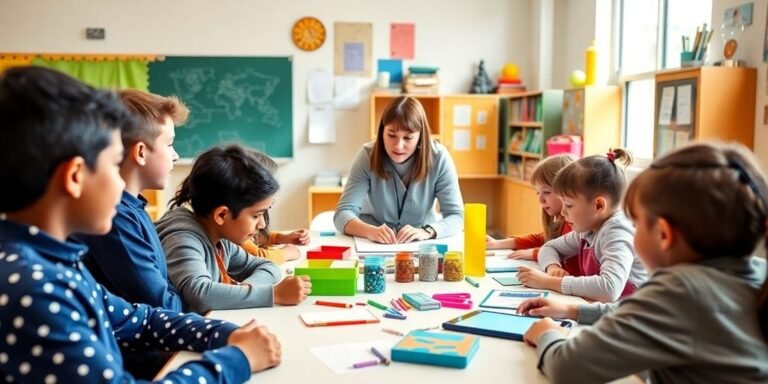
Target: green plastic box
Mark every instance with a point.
(327, 281)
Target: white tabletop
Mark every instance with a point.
(496, 359)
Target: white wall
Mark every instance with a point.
(452, 34)
(751, 49)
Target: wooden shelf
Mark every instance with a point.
(527, 124)
(525, 154)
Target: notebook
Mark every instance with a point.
(421, 301)
(507, 280)
(503, 299)
(338, 317)
(444, 349)
(494, 324)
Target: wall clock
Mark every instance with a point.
(308, 33)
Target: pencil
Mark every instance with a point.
(393, 331)
(364, 364)
(380, 355)
(333, 304)
(472, 281)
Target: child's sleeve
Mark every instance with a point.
(533, 240)
(188, 271)
(251, 270)
(449, 196)
(357, 187)
(58, 336)
(566, 245)
(653, 328)
(615, 253)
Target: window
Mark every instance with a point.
(651, 39)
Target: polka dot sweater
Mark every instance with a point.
(58, 325)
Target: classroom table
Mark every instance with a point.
(496, 359)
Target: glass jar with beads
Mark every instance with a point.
(374, 275)
(453, 266)
(404, 267)
(428, 259)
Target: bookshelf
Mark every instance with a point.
(530, 118)
(703, 103)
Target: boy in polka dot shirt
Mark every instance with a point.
(60, 151)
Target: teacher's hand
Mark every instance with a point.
(382, 234)
(407, 234)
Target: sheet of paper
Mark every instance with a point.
(401, 36)
(480, 142)
(340, 357)
(665, 109)
(334, 315)
(682, 138)
(462, 115)
(667, 142)
(321, 124)
(363, 245)
(319, 86)
(482, 117)
(462, 140)
(353, 56)
(684, 102)
(346, 92)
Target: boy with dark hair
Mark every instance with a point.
(60, 149)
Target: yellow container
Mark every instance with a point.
(453, 266)
(474, 239)
(591, 65)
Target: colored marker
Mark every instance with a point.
(333, 304)
(472, 281)
(428, 328)
(380, 355)
(364, 364)
(394, 311)
(393, 331)
(361, 304)
(328, 233)
(377, 305)
(391, 315)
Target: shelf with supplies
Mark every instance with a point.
(704, 103)
(531, 119)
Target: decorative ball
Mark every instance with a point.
(510, 71)
(578, 78)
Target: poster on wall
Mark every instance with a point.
(353, 49)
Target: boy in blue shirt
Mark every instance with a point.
(60, 152)
(129, 261)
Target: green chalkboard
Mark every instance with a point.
(232, 99)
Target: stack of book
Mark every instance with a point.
(327, 179)
(510, 86)
(422, 80)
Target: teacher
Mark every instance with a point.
(392, 185)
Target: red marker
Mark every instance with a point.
(333, 304)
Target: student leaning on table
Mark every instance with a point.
(390, 193)
(703, 316)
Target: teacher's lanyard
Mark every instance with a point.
(400, 205)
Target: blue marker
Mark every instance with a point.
(327, 233)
